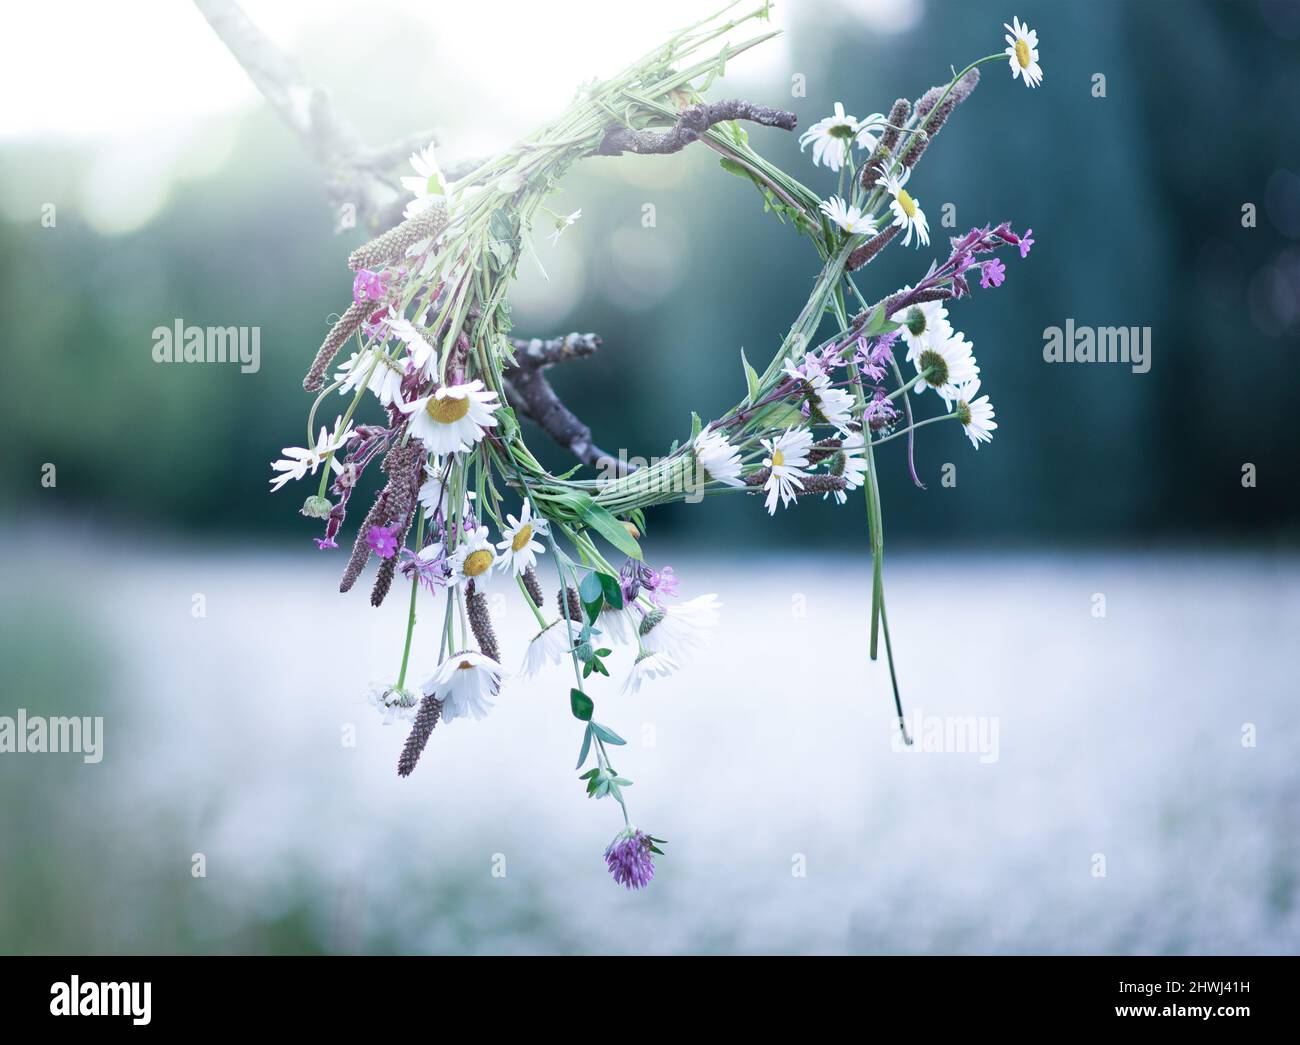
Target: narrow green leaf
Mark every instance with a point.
(607, 735)
(751, 379)
(611, 529)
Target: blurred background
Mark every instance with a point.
(179, 194)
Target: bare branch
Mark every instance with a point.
(692, 122)
(353, 173)
(533, 397)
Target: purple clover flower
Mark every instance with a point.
(629, 859)
(382, 541)
(992, 273)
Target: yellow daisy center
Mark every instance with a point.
(433, 186)
(449, 410)
(1022, 54)
(477, 562)
(778, 459)
(522, 536)
(907, 203)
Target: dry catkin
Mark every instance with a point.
(343, 329)
(534, 587)
(931, 120)
(425, 719)
(871, 248)
(393, 244)
(476, 608)
(575, 604)
(876, 161)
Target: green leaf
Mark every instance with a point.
(611, 529)
(606, 734)
(582, 755)
(509, 424)
(696, 425)
(612, 590)
(591, 593)
(582, 705)
(751, 379)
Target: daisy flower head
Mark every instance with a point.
(548, 646)
(435, 493)
(718, 458)
(828, 404)
(649, 665)
(563, 223)
(947, 363)
(850, 464)
(427, 183)
(452, 418)
(421, 352)
(1022, 52)
(908, 214)
(394, 703)
(976, 415)
(473, 557)
(463, 682)
(832, 137)
(850, 219)
(920, 324)
(298, 461)
(616, 626)
(787, 457)
(519, 550)
(372, 369)
(680, 629)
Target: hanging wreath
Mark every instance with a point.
(465, 502)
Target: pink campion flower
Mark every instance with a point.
(325, 543)
(382, 541)
(880, 411)
(369, 286)
(992, 273)
(1026, 241)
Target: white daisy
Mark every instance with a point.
(850, 219)
(680, 628)
(908, 214)
(919, 324)
(950, 362)
(463, 682)
(831, 405)
(563, 223)
(473, 557)
(648, 666)
(428, 184)
(452, 418)
(719, 459)
(373, 369)
(976, 415)
(422, 354)
(519, 551)
(396, 705)
(435, 493)
(548, 646)
(298, 461)
(787, 458)
(850, 464)
(615, 627)
(1022, 52)
(832, 137)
